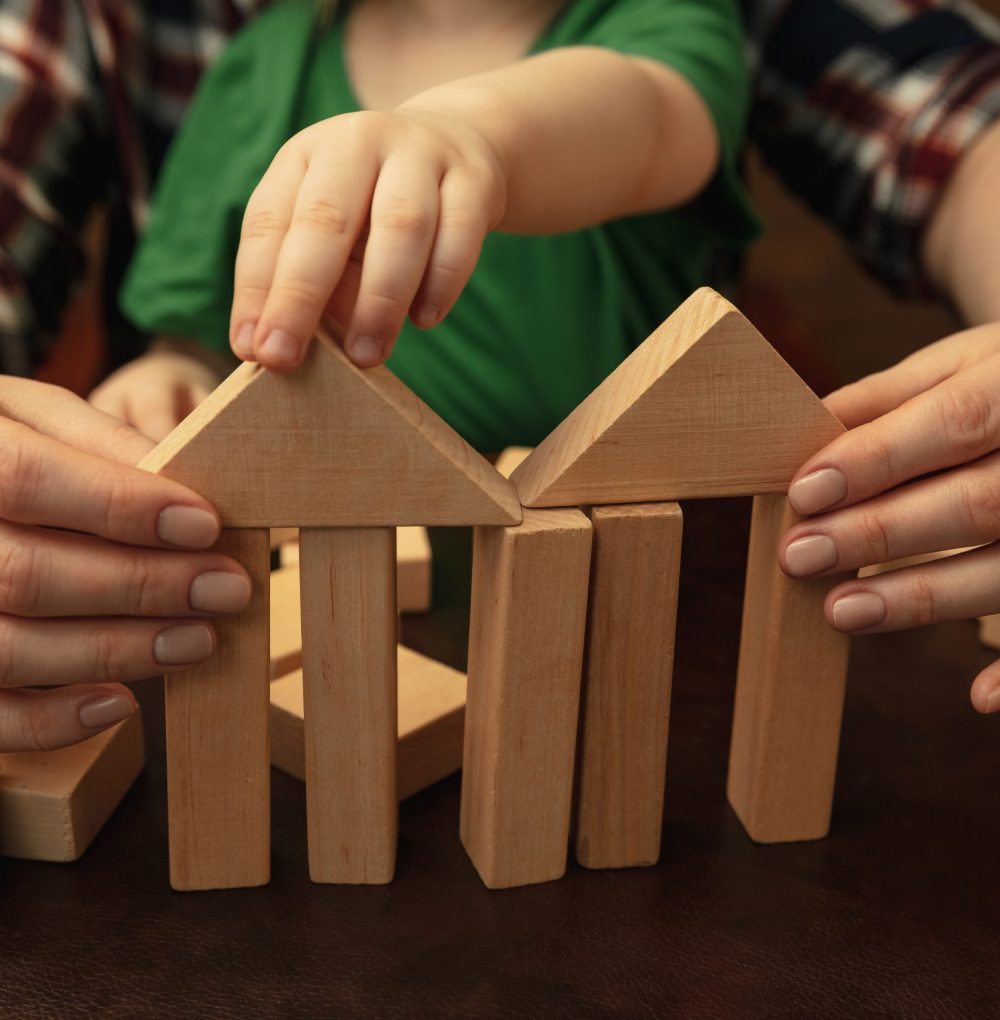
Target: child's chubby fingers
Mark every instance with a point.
(957, 508)
(46, 573)
(99, 649)
(463, 223)
(985, 692)
(296, 267)
(958, 587)
(403, 222)
(46, 720)
(952, 423)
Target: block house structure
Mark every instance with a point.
(574, 592)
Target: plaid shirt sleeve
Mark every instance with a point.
(864, 109)
(55, 161)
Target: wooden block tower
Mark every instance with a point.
(346, 455)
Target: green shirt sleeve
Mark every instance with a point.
(180, 281)
(703, 41)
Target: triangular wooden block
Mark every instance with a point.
(329, 445)
(705, 407)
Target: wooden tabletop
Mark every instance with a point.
(896, 913)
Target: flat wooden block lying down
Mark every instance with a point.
(413, 565)
(431, 717)
(53, 803)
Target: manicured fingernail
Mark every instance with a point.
(817, 491)
(103, 712)
(188, 526)
(993, 701)
(281, 347)
(427, 315)
(184, 643)
(365, 350)
(858, 611)
(809, 555)
(219, 591)
(244, 340)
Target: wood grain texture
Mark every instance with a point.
(789, 693)
(329, 445)
(348, 579)
(430, 719)
(529, 606)
(218, 762)
(705, 407)
(625, 701)
(53, 803)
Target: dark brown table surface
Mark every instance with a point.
(896, 913)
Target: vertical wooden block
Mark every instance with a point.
(789, 693)
(218, 760)
(349, 679)
(529, 606)
(625, 708)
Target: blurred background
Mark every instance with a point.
(801, 288)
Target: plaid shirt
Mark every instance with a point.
(863, 107)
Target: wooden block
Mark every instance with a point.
(511, 459)
(53, 803)
(529, 607)
(413, 570)
(284, 536)
(625, 709)
(218, 762)
(989, 630)
(413, 567)
(349, 679)
(286, 622)
(705, 407)
(789, 693)
(908, 561)
(329, 445)
(430, 720)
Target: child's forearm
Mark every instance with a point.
(584, 135)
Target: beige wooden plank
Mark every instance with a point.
(789, 693)
(218, 778)
(705, 407)
(430, 719)
(625, 708)
(529, 604)
(413, 569)
(53, 803)
(348, 584)
(329, 445)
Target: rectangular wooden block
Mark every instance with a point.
(789, 693)
(53, 803)
(348, 578)
(218, 761)
(628, 667)
(529, 606)
(430, 720)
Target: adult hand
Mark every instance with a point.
(918, 472)
(98, 580)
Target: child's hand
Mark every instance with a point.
(416, 193)
(935, 414)
(155, 392)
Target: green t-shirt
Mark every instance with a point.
(543, 319)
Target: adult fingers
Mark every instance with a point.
(57, 574)
(956, 508)
(404, 216)
(330, 210)
(955, 422)
(59, 414)
(45, 482)
(45, 720)
(98, 649)
(957, 587)
(462, 226)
